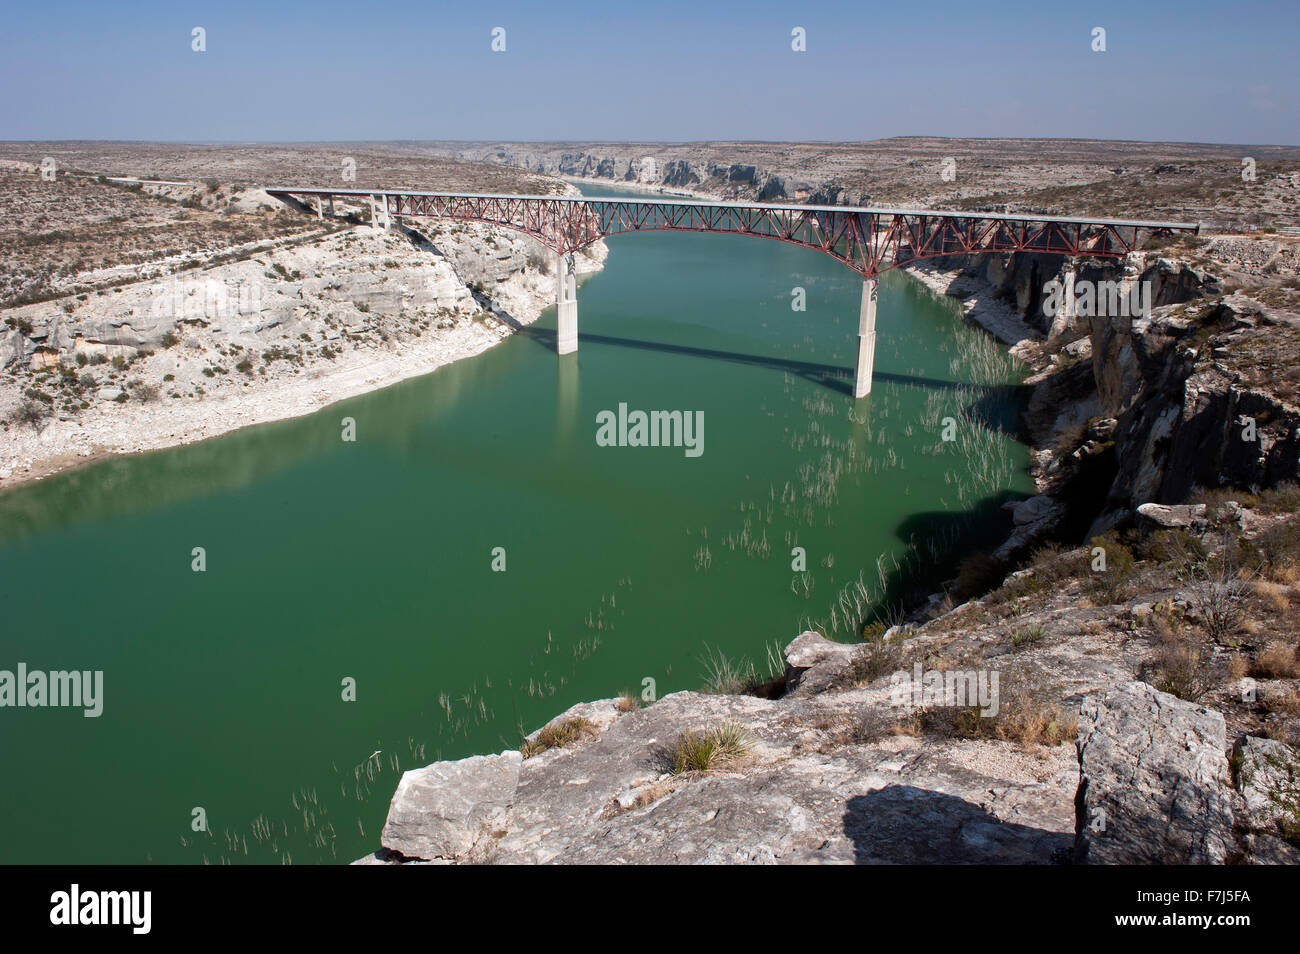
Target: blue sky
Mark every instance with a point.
(663, 70)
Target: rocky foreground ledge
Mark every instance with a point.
(828, 776)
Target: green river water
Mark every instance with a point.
(372, 560)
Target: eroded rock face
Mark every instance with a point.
(824, 778)
(442, 810)
(1154, 785)
(1185, 417)
(812, 786)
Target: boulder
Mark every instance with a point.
(812, 662)
(441, 810)
(1034, 509)
(1175, 517)
(1266, 769)
(1154, 786)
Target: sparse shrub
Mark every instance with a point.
(1109, 585)
(1284, 498)
(1180, 670)
(955, 722)
(1176, 550)
(1027, 716)
(145, 393)
(32, 413)
(1029, 719)
(1277, 661)
(876, 660)
(1218, 594)
(872, 632)
(873, 725)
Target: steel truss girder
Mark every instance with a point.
(868, 241)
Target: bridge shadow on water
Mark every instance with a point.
(990, 408)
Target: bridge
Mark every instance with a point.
(870, 241)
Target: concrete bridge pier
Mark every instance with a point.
(566, 305)
(377, 218)
(320, 208)
(866, 340)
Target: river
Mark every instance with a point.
(332, 563)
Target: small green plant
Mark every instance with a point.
(1027, 635)
(710, 749)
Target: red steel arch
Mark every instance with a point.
(869, 241)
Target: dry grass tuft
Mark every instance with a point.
(559, 735)
(1277, 661)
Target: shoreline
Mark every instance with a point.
(220, 416)
(108, 430)
(978, 306)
